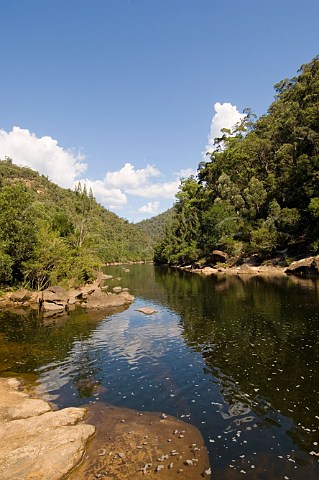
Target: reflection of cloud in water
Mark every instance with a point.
(132, 340)
(128, 338)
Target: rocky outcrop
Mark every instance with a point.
(306, 266)
(35, 442)
(56, 300)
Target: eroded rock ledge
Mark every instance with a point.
(36, 442)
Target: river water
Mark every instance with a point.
(235, 356)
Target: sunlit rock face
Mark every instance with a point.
(36, 442)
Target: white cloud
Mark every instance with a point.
(129, 177)
(150, 207)
(186, 172)
(115, 190)
(42, 154)
(131, 181)
(165, 190)
(226, 116)
(113, 198)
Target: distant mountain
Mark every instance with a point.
(155, 226)
(49, 234)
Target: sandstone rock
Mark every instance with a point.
(52, 307)
(130, 298)
(20, 296)
(146, 310)
(61, 294)
(217, 256)
(35, 442)
(100, 299)
(117, 289)
(308, 266)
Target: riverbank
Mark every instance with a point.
(303, 266)
(56, 300)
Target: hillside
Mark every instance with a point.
(259, 191)
(155, 226)
(51, 235)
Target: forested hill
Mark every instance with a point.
(155, 226)
(50, 235)
(259, 190)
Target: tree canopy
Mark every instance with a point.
(51, 235)
(259, 190)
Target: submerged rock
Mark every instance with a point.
(35, 442)
(142, 440)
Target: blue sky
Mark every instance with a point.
(121, 93)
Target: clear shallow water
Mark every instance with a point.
(237, 357)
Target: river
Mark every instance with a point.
(235, 356)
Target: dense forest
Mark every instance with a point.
(258, 193)
(155, 226)
(50, 235)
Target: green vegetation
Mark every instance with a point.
(155, 226)
(259, 191)
(50, 235)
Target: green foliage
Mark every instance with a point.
(259, 191)
(50, 235)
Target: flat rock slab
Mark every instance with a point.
(146, 310)
(35, 442)
(128, 443)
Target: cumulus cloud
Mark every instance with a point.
(129, 178)
(42, 154)
(115, 190)
(113, 198)
(150, 207)
(226, 116)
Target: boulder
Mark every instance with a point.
(217, 256)
(35, 442)
(308, 266)
(61, 293)
(20, 296)
(117, 289)
(52, 307)
(100, 299)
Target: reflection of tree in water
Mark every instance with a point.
(259, 339)
(27, 342)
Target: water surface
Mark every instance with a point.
(236, 357)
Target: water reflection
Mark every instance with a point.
(236, 356)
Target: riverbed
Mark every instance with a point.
(235, 356)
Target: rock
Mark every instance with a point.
(146, 310)
(52, 307)
(35, 442)
(20, 296)
(100, 299)
(130, 298)
(141, 458)
(208, 270)
(308, 266)
(245, 269)
(117, 289)
(217, 256)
